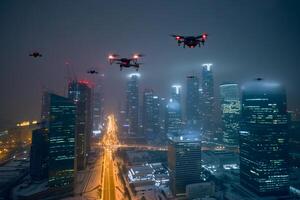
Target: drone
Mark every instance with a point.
(191, 41)
(35, 54)
(125, 62)
(92, 71)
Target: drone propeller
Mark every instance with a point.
(177, 37)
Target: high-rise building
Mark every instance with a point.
(192, 102)
(80, 93)
(230, 109)
(156, 114)
(173, 111)
(184, 161)
(176, 93)
(132, 103)
(207, 106)
(148, 112)
(61, 126)
(97, 107)
(39, 154)
(264, 138)
(150, 115)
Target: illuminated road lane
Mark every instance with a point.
(109, 139)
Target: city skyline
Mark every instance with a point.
(239, 51)
(149, 100)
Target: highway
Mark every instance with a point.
(108, 179)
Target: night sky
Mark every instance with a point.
(247, 39)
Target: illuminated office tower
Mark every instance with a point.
(207, 107)
(80, 93)
(184, 160)
(264, 138)
(230, 109)
(176, 93)
(132, 103)
(61, 126)
(156, 115)
(173, 122)
(192, 102)
(150, 114)
(97, 107)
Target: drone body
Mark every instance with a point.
(35, 54)
(191, 41)
(125, 62)
(92, 71)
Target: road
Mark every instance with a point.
(108, 178)
(109, 190)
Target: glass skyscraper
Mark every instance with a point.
(264, 138)
(184, 160)
(62, 120)
(150, 115)
(132, 103)
(173, 116)
(230, 109)
(207, 105)
(192, 102)
(97, 107)
(80, 93)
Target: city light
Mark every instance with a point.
(134, 74)
(177, 88)
(208, 66)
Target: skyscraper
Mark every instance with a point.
(132, 103)
(176, 93)
(207, 107)
(184, 160)
(192, 101)
(173, 117)
(150, 115)
(156, 115)
(230, 109)
(80, 93)
(97, 107)
(62, 119)
(173, 122)
(39, 154)
(264, 138)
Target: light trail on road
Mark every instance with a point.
(108, 179)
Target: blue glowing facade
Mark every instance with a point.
(184, 160)
(192, 102)
(80, 93)
(62, 120)
(230, 110)
(132, 104)
(264, 138)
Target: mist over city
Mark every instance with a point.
(150, 100)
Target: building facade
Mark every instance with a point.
(230, 111)
(208, 102)
(62, 120)
(39, 154)
(264, 138)
(184, 161)
(80, 93)
(132, 104)
(192, 102)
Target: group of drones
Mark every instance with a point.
(189, 41)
